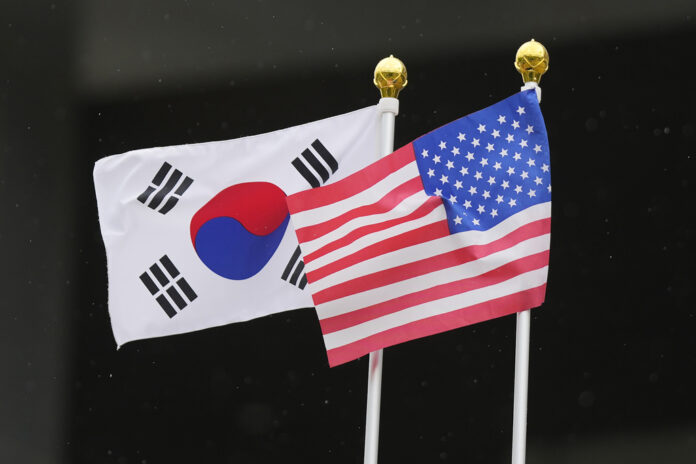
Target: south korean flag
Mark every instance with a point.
(198, 236)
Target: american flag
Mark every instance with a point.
(449, 230)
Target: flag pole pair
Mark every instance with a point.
(390, 77)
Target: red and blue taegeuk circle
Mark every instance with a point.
(237, 232)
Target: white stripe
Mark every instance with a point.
(434, 247)
(365, 197)
(158, 188)
(436, 215)
(463, 271)
(404, 208)
(310, 170)
(517, 284)
(321, 161)
(294, 269)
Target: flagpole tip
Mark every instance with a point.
(390, 76)
(532, 61)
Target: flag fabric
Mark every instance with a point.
(449, 230)
(198, 235)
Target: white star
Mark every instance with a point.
(520, 110)
(512, 202)
(455, 151)
(436, 159)
(431, 172)
(537, 148)
(475, 142)
(469, 156)
(424, 153)
(530, 129)
(523, 143)
(464, 171)
(457, 220)
(491, 180)
(486, 194)
(494, 212)
(501, 119)
(517, 156)
(484, 162)
(472, 190)
(489, 147)
(509, 138)
(549, 188)
(461, 137)
(531, 193)
(443, 144)
(467, 204)
(518, 189)
(452, 199)
(515, 125)
(497, 166)
(478, 175)
(438, 192)
(505, 184)
(524, 175)
(545, 167)
(510, 171)
(450, 164)
(530, 162)
(499, 199)
(458, 184)
(481, 128)
(481, 209)
(444, 179)
(503, 152)
(537, 180)
(495, 133)
(475, 221)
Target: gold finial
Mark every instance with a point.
(532, 60)
(390, 76)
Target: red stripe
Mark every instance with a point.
(353, 184)
(423, 210)
(495, 276)
(431, 264)
(384, 204)
(422, 234)
(436, 324)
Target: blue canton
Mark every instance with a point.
(489, 165)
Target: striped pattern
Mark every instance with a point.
(383, 268)
(163, 281)
(294, 270)
(315, 163)
(166, 188)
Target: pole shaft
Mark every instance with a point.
(386, 144)
(519, 408)
(389, 108)
(519, 416)
(374, 396)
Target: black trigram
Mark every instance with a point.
(170, 289)
(174, 179)
(311, 168)
(294, 270)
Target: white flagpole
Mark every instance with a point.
(390, 78)
(532, 61)
(519, 415)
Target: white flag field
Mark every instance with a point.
(199, 235)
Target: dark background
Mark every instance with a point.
(613, 355)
